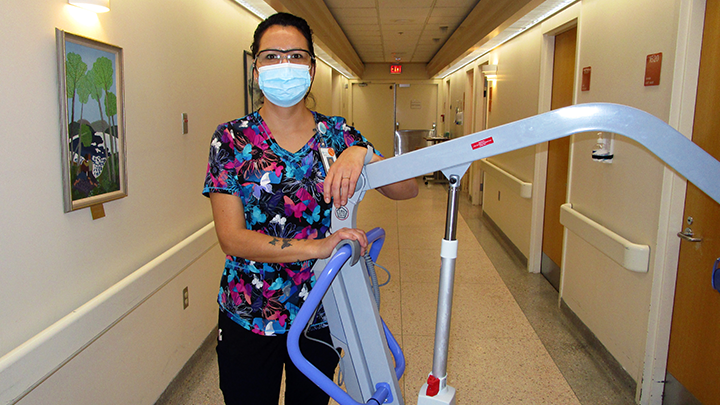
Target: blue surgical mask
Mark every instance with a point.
(284, 84)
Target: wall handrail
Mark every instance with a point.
(31, 363)
(632, 256)
(522, 188)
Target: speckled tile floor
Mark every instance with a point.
(509, 341)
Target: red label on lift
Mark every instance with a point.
(484, 142)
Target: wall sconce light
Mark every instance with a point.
(96, 6)
(490, 72)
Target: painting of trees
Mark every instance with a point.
(90, 73)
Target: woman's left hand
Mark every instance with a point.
(342, 177)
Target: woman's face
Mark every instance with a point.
(283, 38)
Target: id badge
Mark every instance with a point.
(328, 158)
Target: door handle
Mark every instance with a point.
(689, 236)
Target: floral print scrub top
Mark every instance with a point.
(282, 195)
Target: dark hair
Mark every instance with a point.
(286, 20)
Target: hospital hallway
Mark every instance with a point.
(510, 341)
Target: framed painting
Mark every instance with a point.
(92, 121)
(251, 102)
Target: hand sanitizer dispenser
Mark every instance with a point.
(603, 150)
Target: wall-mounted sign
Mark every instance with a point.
(395, 69)
(653, 63)
(585, 85)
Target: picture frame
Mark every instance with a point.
(251, 102)
(92, 121)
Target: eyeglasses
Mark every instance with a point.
(274, 56)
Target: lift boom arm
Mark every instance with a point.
(669, 145)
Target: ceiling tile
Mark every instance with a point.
(353, 21)
(425, 47)
(396, 43)
(435, 30)
(399, 48)
(372, 53)
(439, 21)
(405, 3)
(401, 33)
(404, 15)
(468, 4)
(373, 26)
(367, 42)
(456, 12)
(403, 27)
(375, 33)
(350, 3)
(352, 12)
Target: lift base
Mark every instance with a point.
(444, 397)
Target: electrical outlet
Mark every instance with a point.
(186, 298)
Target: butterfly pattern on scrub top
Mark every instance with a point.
(282, 195)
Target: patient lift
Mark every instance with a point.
(373, 361)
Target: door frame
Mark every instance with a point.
(672, 204)
(556, 25)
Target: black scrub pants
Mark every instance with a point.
(251, 366)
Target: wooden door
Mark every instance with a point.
(372, 115)
(558, 157)
(694, 352)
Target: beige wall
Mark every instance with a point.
(135, 359)
(614, 38)
(173, 64)
(322, 88)
(339, 94)
(623, 196)
(178, 58)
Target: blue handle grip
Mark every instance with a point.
(322, 284)
(376, 237)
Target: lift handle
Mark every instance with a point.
(346, 251)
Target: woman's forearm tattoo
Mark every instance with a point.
(286, 242)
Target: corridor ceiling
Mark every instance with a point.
(442, 34)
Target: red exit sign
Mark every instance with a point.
(395, 69)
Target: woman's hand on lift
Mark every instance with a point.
(328, 244)
(343, 175)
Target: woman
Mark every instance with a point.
(271, 201)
